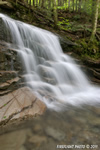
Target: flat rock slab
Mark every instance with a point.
(21, 103)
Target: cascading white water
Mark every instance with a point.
(52, 75)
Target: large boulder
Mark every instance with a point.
(21, 103)
(67, 45)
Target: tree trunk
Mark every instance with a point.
(43, 3)
(58, 2)
(93, 8)
(30, 3)
(55, 13)
(79, 7)
(73, 5)
(27, 1)
(49, 4)
(76, 5)
(36, 2)
(33, 3)
(16, 2)
(69, 5)
(95, 20)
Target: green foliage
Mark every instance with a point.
(89, 49)
(76, 17)
(62, 7)
(64, 24)
(4, 117)
(5, 104)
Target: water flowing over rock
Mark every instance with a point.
(54, 76)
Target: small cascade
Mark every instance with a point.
(54, 77)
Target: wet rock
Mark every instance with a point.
(37, 128)
(47, 74)
(50, 80)
(9, 59)
(14, 140)
(55, 134)
(38, 139)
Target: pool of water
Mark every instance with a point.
(75, 128)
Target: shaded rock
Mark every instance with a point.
(15, 80)
(7, 75)
(18, 104)
(4, 92)
(4, 34)
(95, 74)
(91, 63)
(4, 86)
(96, 110)
(66, 44)
(2, 57)
(55, 134)
(8, 85)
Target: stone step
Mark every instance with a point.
(7, 75)
(8, 84)
(4, 92)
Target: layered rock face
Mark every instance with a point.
(10, 68)
(16, 100)
(93, 69)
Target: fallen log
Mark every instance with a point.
(3, 3)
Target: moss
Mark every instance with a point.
(88, 49)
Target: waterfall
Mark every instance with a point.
(52, 75)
